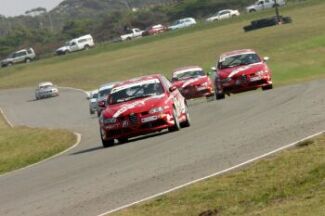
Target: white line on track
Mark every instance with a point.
(6, 118)
(214, 174)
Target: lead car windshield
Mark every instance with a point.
(188, 74)
(243, 59)
(136, 90)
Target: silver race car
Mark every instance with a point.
(45, 90)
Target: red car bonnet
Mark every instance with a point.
(134, 106)
(241, 70)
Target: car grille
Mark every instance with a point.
(133, 118)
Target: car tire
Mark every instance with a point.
(252, 10)
(106, 143)
(86, 47)
(123, 140)
(220, 96)
(176, 126)
(9, 64)
(187, 122)
(28, 60)
(267, 87)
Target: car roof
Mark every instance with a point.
(187, 68)
(236, 52)
(45, 83)
(138, 79)
(107, 86)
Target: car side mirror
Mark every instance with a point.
(266, 58)
(172, 88)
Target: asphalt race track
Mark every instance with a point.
(90, 180)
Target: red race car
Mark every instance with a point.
(192, 82)
(239, 71)
(140, 106)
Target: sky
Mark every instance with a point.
(18, 7)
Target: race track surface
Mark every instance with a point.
(90, 180)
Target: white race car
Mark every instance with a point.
(45, 90)
(93, 96)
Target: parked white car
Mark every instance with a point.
(81, 43)
(45, 90)
(223, 14)
(264, 4)
(93, 96)
(182, 23)
(21, 56)
(133, 33)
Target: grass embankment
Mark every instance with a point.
(296, 50)
(290, 183)
(22, 146)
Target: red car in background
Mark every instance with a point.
(241, 70)
(154, 30)
(140, 106)
(192, 82)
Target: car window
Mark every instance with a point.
(188, 74)
(134, 91)
(237, 60)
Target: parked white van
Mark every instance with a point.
(81, 43)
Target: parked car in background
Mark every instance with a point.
(182, 23)
(81, 43)
(154, 30)
(192, 82)
(131, 34)
(21, 56)
(264, 4)
(140, 106)
(241, 70)
(103, 91)
(45, 90)
(93, 96)
(223, 14)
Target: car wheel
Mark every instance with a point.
(106, 143)
(87, 47)
(176, 126)
(187, 121)
(267, 87)
(9, 64)
(220, 96)
(27, 60)
(123, 140)
(252, 10)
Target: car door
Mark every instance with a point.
(260, 5)
(19, 57)
(73, 46)
(225, 15)
(268, 4)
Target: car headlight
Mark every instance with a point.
(260, 73)
(156, 110)
(109, 120)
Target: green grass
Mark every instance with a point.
(296, 50)
(289, 183)
(22, 146)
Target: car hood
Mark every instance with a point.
(47, 89)
(64, 48)
(134, 106)
(190, 82)
(6, 60)
(241, 70)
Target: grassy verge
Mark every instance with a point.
(22, 146)
(296, 52)
(290, 183)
